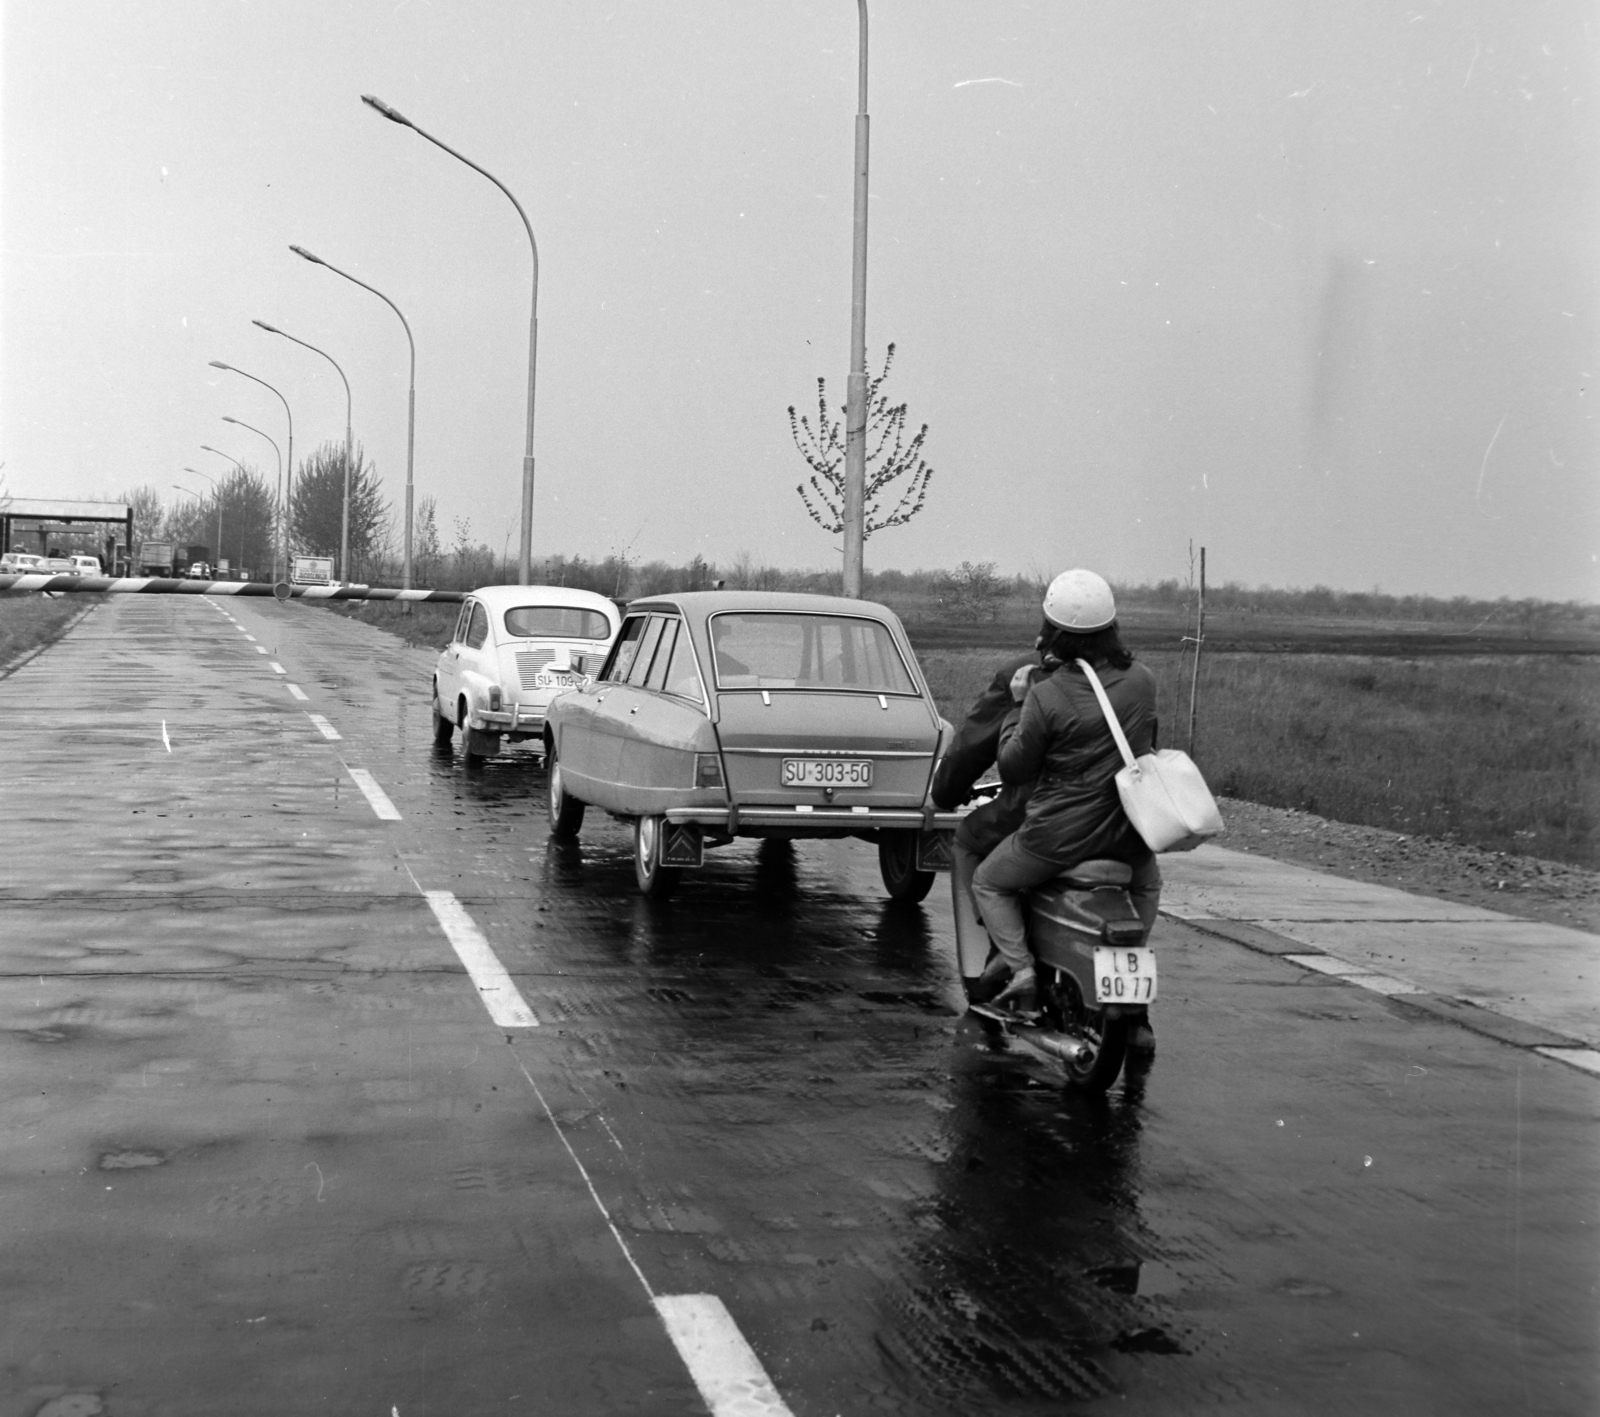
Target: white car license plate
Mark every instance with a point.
(826, 772)
(1124, 976)
(546, 680)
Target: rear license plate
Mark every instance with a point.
(826, 772)
(1123, 976)
(546, 680)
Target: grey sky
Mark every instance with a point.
(1312, 285)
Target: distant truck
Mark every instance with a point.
(155, 558)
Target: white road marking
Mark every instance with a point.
(299, 693)
(377, 798)
(276, 667)
(262, 649)
(500, 995)
(167, 741)
(326, 729)
(1585, 1058)
(724, 1367)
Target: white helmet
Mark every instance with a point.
(1079, 601)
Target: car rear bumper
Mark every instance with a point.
(815, 821)
(519, 719)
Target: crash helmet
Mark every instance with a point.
(1079, 601)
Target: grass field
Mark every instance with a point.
(1501, 751)
(28, 621)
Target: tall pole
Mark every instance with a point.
(1199, 640)
(855, 416)
(278, 572)
(277, 506)
(344, 525)
(218, 494)
(525, 555)
(411, 391)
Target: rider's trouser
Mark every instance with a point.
(1000, 880)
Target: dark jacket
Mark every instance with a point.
(1061, 744)
(971, 754)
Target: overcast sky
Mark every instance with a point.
(1312, 285)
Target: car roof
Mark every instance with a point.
(699, 604)
(508, 597)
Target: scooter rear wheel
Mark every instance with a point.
(1097, 1070)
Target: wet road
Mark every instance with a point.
(269, 1151)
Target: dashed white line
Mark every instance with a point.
(262, 649)
(724, 1367)
(500, 995)
(276, 667)
(326, 729)
(299, 693)
(377, 798)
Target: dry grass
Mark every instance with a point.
(28, 621)
(1502, 752)
(423, 623)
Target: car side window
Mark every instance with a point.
(681, 677)
(647, 650)
(477, 628)
(658, 667)
(627, 647)
(460, 632)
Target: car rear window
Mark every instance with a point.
(557, 622)
(773, 650)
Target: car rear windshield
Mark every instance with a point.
(557, 622)
(773, 650)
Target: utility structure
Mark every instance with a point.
(525, 549)
(411, 401)
(283, 550)
(855, 416)
(344, 528)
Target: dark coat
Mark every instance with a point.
(971, 754)
(1060, 743)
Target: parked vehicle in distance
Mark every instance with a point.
(513, 649)
(198, 571)
(155, 558)
(57, 566)
(87, 565)
(20, 563)
(725, 714)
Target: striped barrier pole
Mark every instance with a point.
(156, 585)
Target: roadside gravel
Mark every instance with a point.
(1524, 886)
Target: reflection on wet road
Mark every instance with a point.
(273, 1144)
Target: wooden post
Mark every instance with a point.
(1199, 640)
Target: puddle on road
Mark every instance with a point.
(131, 1160)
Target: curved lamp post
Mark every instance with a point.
(855, 417)
(525, 554)
(411, 393)
(344, 526)
(218, 494)
(277, 514)
(283, 503)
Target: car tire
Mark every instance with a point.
(566, 812)
(897, 864)
(443, 729)
(655, 880)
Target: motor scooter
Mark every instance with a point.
(1096, 974)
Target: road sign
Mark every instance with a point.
(312, 570)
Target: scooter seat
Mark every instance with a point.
(1087, 875)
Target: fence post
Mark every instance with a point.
(1199, 640)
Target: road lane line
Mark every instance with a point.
(261, 649)
(276, 667)
(299, 693)
(326, 729)
(376, 797)
(724, 1367)
(500, 995)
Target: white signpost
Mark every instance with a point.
(311, 570)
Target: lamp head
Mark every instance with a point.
(392, 114)
(305, 255)
(270, 329)
(227, 419)
(218, 364)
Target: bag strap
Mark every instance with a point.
(1110, 713)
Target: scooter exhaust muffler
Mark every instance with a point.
(1059, 1045)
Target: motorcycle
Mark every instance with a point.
(1096, 974)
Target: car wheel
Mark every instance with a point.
(566, 813)
(897, 864)
(443, 729)
(654, 879)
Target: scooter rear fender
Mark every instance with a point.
(1066, 923)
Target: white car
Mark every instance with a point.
(87, 565)
(20, 563)
(513, 649)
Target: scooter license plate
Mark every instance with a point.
(1123, 976)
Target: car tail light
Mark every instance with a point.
(494, 698)
(707, 770)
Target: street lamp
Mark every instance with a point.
(525, 557)
(278, 514)
(283, 538)
(344, 529)
(411, 393)
(213, 481)
(855, 417)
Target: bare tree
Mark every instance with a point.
(891, 458)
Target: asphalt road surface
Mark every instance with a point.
(271, 1148)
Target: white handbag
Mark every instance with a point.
(1163, 793)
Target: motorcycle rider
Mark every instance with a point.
(1059, 750)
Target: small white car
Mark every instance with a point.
(87, 565)
(57, 566)
(20, 563)
(198, 571)
(513, 649)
